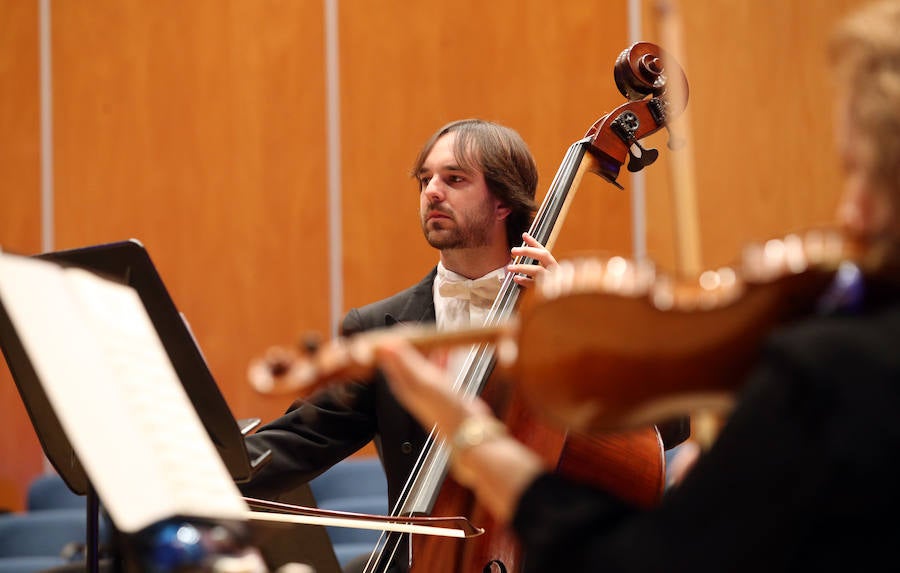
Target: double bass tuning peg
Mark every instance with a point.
(626, 125)
(642, 159)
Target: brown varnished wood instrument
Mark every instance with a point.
(630, 464)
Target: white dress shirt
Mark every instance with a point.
(461, 303)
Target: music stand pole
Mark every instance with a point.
(92, 551)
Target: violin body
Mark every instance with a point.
(673, 345)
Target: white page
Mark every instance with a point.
(116, 394)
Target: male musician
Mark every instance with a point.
(477, 184)
(802, 475)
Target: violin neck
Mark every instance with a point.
(427, 339)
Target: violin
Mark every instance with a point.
(606, 343)
(649, 346)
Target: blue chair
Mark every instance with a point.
(29, 564)
(35, 541)
(51, 532)
(370, 505)
(49, 491)
(356, 485)
(352, 477)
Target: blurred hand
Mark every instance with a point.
(423, 388)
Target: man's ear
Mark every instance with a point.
(502, 211)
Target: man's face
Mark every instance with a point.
(456, 209)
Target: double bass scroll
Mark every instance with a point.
(657, 94)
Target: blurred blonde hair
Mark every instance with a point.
(865, 55)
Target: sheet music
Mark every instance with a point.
(116, 394)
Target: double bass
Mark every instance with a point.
(629, 464)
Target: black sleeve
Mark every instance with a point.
(315, 433)
(556, 520)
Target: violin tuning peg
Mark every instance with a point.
(278, 369)
(310, 343)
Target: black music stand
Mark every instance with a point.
(129, 263)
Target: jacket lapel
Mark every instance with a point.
(419, 306)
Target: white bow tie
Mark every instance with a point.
(477, 291)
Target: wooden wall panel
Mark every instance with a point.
(544, 69)
(198, 128)
(760, 118)
(20, 222)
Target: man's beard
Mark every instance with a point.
(475, 234)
